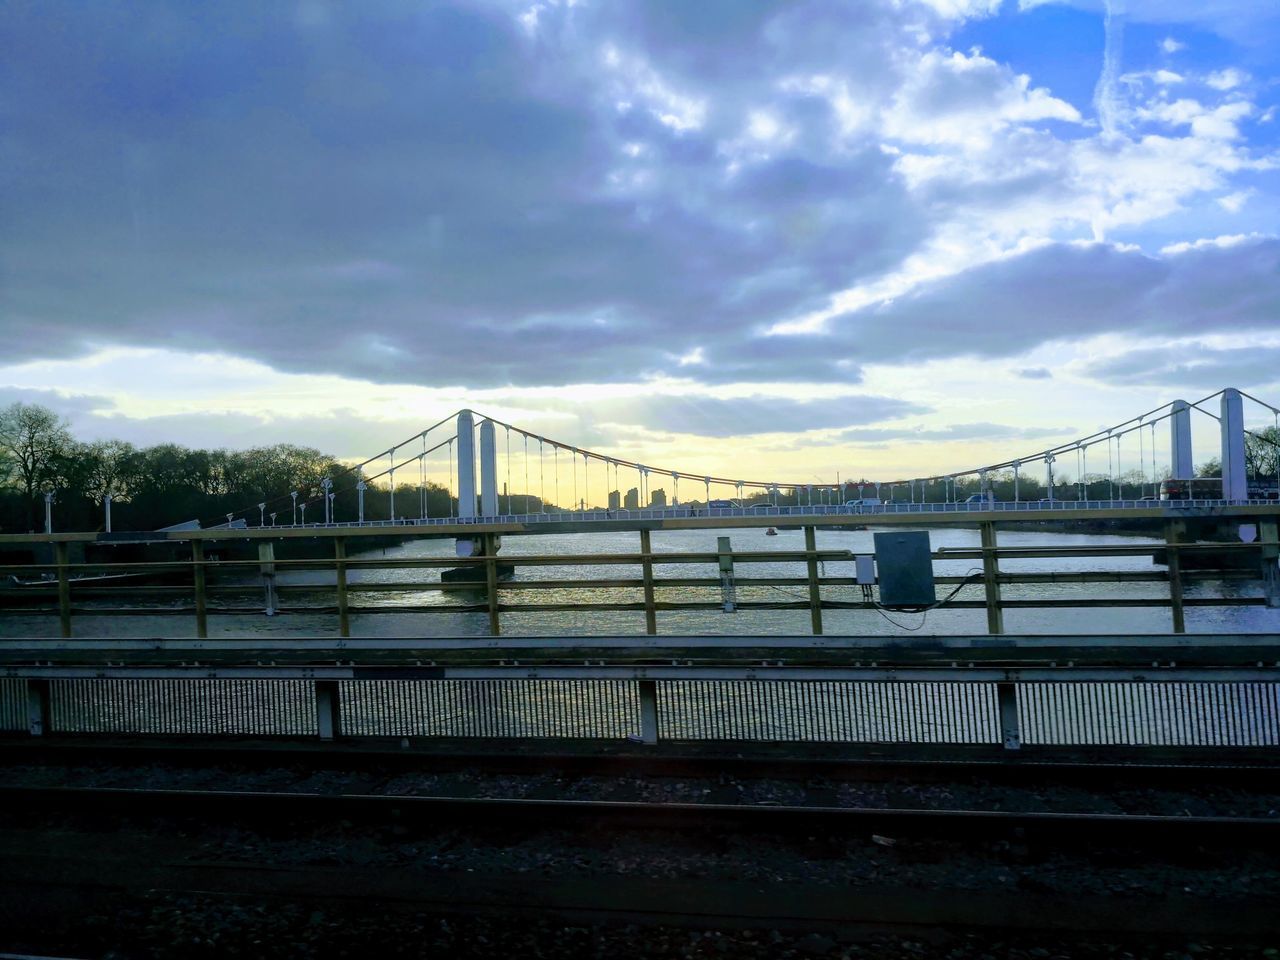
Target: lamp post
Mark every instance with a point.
(294, 494)
(262, 514)
(331, 496)
(106, 508)
(361, 487)
(48, 511)
(325, 485)
(273, 518)
(304, 513)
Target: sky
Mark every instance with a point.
(773, 241)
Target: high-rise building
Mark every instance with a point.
(658, 498)
(632, 501)
(615, 499)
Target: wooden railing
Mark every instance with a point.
(48, 589)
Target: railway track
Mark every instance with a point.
(98, 845)
(433, 812)
(1145, 767)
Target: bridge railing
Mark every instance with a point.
(893, 508)
(221, 580)
(1215, 691)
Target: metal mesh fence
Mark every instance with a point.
(13, 704)
(845, 711)
(1094, 713)
(1150, 714)
(263, 707)
(491, 708)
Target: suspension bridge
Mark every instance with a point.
(497, 473)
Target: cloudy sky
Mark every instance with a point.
(761, 240)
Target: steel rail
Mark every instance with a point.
(429, 812)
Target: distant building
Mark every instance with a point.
(632, 501)
(615, 500)
(658, 498)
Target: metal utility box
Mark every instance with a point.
(864, 567)
(905, 569)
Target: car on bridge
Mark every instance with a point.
(864, 504)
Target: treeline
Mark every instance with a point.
(153, 487)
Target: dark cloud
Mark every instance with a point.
(1192, 365)
(709, 417)
(73, 407)
(954, 432)
(426, 194)
(1065, 292)
(700, 415)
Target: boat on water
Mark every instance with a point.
(771, 532)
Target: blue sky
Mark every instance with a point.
(881, 238)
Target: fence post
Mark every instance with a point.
(1174, 532)
(267, 567)
(991, 578)
(491, 583)
(197, 572)
(64, 590)
(1268, 531)
(340, 567)
(1010, 735)
(39, 709)
(728, 591)
(815, 592)
(649, 711)
(646, 567)
(328, 709)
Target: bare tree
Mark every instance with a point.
(33, 439)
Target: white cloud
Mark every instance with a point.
(1227, 79)
(958, 99)
(1170, 45)
(1234, 202)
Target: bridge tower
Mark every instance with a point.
(466, 465)
(1180, 441)
(488, 470)
(1235, 482)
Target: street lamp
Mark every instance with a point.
(325, 485)
(262, 514)
(361, 487)
(273, 518)
(48, 511)
(304, 513)
(294, 494)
